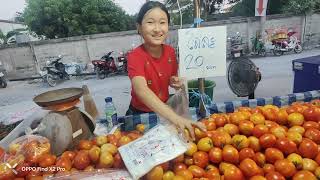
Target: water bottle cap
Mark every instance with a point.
(108, 99)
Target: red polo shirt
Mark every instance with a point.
(156, 71)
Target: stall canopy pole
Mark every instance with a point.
(196, 15)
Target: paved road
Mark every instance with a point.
(277, 79)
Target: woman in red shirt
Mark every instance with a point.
(152, 67)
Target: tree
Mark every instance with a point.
(65, 18)
(300, 6)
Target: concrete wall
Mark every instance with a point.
(6, 26)
(21, 60)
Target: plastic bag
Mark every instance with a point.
(179, 103)
(160, 144)
(99, 174)
(30, 146)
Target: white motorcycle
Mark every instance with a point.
(280, 46)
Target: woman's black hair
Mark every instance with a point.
(150, 5)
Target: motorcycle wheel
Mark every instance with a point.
(100, 73)
(51, 80)
(262, 52)
(3, 83)
(298, 48)
(277, 51)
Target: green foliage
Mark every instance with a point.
(65, 18)
(187, 16)
(300, 6)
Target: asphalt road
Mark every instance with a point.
(277, 79)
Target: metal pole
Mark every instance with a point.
(196, 15)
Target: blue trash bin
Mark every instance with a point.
(306, 74)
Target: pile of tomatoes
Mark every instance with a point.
(266, 142)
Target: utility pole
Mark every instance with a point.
(196, 15)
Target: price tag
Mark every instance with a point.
(202, 52)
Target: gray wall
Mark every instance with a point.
(20, 60)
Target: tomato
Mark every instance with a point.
(286, 146)
(233, 174)
(192, 149)
(188, 160)
(257, 109)
(212, 175)
(47, 160)
(85, 144)
(254, 143)
(178, 167)
(177, 177)
(296, 159)
(308, 148)
(274, 176)
(273, 154)
(201, 159)
(113, 139)
(257, 178)
(279, 132)
(268, 168)
(257, 118)
(236, 117)
(246, 127)
(124, 140)
(271, 124)
(313, 134)
(311, 124)
(310, 114)
(303, 175)
(186, 174)
(69, 154)
(168, 175)
(199, 134)
(231, 129)
(20, 169)
(270, 113)
(210, 125)
(267, 140)
(285, 167)
(64, 162)
(215, 155)
(240, 141)
(230, 154)
(155, 174)
(317, 159)
(282, 117)
(246, 153)
(295, 119)
(205, 144)
(298, 129)
(220, 121)
(317, 172)
(309, 164)
(197, 171)
(295, 137)
(260, 159)
(249, 168)
(260, 130)
(81, 160)
(220, 139)
(119, 164)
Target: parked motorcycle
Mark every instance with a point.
(107, 65)
(3, 80)
(54, 71)
(286, 45)
(258, 47)
(236, 45)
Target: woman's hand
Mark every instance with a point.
(176, 82)
(183, 123)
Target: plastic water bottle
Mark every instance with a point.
(111, 113)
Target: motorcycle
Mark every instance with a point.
(280, 46)
(236, 46)
(107, 65)
(3, 80)
(258, 47)
(54, 71)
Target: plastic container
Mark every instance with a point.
(193, 85)
(111, 113)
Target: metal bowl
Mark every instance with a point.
(58, 96)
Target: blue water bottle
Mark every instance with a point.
(111, 113)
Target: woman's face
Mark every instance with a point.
(154, 27)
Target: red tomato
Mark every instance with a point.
(274, 176)
(21, 169)
(233, 174)
(273, 154)
(304, 175)
(260, 130)
(260, 159)
(308, 148)
(249, 168)
(257, 178)
(230, 154)
(310, 114)
(185, 173)
(201, 159)
(178, 167)
(231, 129)
(246, 153)
(188, 160)
(65, 163)
(85, 145)
(246, 127)
(215, 155)
(220, 121)
(119, 164)
(313, 134)
(267, 140)
(311, 124)
(271, 124)
(69, 154)
(197, 171)
(210, 125)
(286, 146)
(285, 167)
(82, 160)
(47, 160)
(268, 168)
(317, 159)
